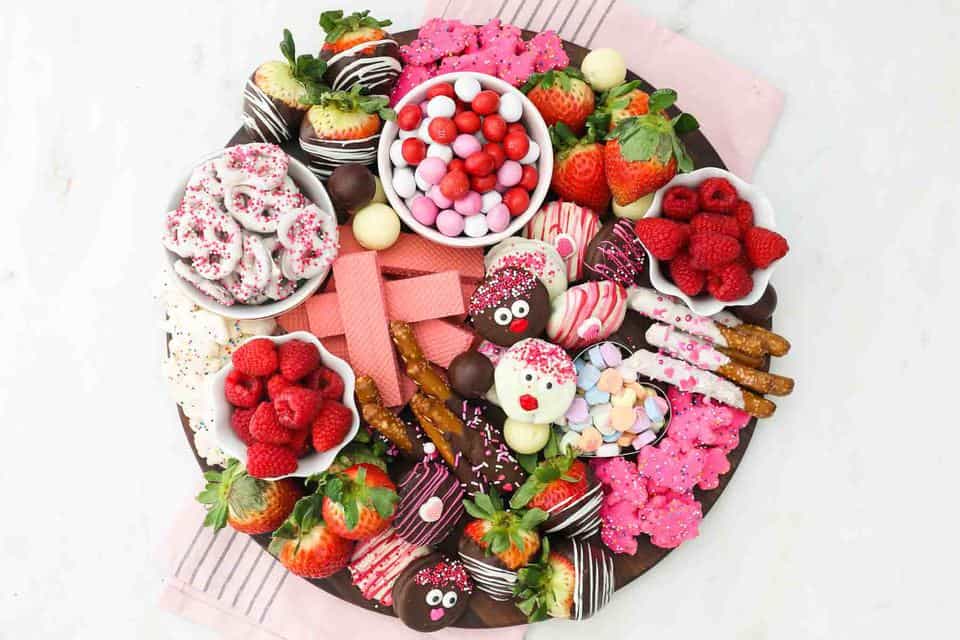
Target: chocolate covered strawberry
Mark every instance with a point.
(359, 51)
(561, 96)
(561, 486)
(578, 168)
(278, 93)
(644, 152)
(343, 127)
(360, 502)
(248, 504)
(573, 579)
(346, 32)
(306, 546)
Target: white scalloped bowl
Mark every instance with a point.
(314, 462)
(536, 129)
(314, 191)
(763, 216)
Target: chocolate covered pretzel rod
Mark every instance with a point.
(437, 421)
(403, 435)
(416, 365)
(686, 377)
(663, 308)
(702, 354)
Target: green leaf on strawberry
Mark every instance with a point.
(336, 25)
(305, 516)
(305, 69)
(356, 100)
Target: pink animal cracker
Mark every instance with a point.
(549, 50)
(587, 313)
(410, 76)
(569, 228)
(535, 381)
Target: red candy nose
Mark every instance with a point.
(519, 325)
(528, 402)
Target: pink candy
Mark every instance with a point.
(450, 223)
(431, 170)
(498, 218)
(424, 210)
(465, 145)
(437, 196)
(509, 173)
(468, 204)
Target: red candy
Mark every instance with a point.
(517, 200)
(494, 128)
(516, 145)
(455, 185)
(529, 177)
(482, 184)
(409, 117)
(467, 121)
(456, 165)
(442, 89)
(479, 164)
(413, 150)
(442, 130)
(516, 126)
(495, 150)
(485, 102)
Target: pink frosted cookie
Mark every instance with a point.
(517, 69)
(410, 76)
(671, 518)
(495, 32)
(587, 313)
(438, 38)
(549, 51)
(667, 466)
(539, 258)
(569, 228)
(480, 62)
(625, 493)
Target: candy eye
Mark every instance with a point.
(449, 599)
(434, 596)
(502, 316)
(548, 386)
(520, 309)
(528, 377)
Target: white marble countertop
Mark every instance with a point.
(835, 526)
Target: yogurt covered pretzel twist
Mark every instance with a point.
(258, 165)
(248, 281)
(213, 239)
(310, 239)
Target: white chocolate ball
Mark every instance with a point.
(524, 437)
(511, 107)
(376, 226)
(635, 210)
(604, 68)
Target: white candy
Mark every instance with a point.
(608, 450)
(441, 107)
(423, 131)
(422, 184)
(409, 134)
(442, 151)
(489, 200)
(532, 153)
(404, 183)
(466, 88)
(396, 155)
(511, 108)
(475, 226)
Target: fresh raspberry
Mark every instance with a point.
(240, 423)
(297, 359)
(764, 246)
(265, 460)
(687, 279)
(710, 250)
(680, 203)
(277, 383)
(717, 195)
(264, 426)
(256, 358)
(662, 238)
(331, 425)
(729, 282)
(296, 407)
(716, 223)
(743, 214)
(327, 382)
(242, 390)
(299, 442)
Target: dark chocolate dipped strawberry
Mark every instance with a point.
(278, 93)
(574, 579)
(343, 127)
(358, 51)
(562, 487)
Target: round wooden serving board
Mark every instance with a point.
(484, 612)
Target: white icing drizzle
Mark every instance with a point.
(369, 71)
(596, 567)
(327, 155)
(274, 126)
(664, 308)
(686, 377)
(494, 581)
(582, 522)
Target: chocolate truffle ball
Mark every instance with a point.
(471, 374)
(761, 310)
(351, 188)
(510, 305)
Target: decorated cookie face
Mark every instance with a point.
(432, 593)
(508, 306)
(535, 381)
(535, 256)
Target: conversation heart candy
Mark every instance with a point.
(588, 377)
(595, 396)
(578, 410)
(622, 417)
(626, 398)
(610, 381)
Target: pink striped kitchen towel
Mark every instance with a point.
(736, 109)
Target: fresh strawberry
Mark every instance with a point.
(661, 237)
(572, 579)
(555, 481)
(717, 195)
(247, 504)
(743, 214)
(680, 203)
(687, 279)
(578, 173)
(346, 32)
(326, 381)
(257, 358)
(510, 536)
(561, 96)
(266, 460)
(306, 546)
(715, 223)
(277, 383)
(344, 115)
(709, 250)
(331, 425)
(764, 247)
(264, 426)
(240, 423)
(242, 390)
(360, 502)
(297, 358)
(623, 101)
(644, 152)
(296, 407)
(729, 282)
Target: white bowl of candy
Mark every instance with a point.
(436, 168)
(250, 232)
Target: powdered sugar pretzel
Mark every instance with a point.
(209, 288)
(253, 271)
(310, 239)
(279, 287)
(204, 180)
(257, 164)
(214, 240)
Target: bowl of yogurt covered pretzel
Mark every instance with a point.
(250, 232)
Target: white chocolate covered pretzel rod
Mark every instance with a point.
(775, 344)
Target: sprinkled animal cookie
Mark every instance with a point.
(432, 593)
(535, 381)
(509, 305)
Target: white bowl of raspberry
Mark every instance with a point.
(665, 273)
(312, 462)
